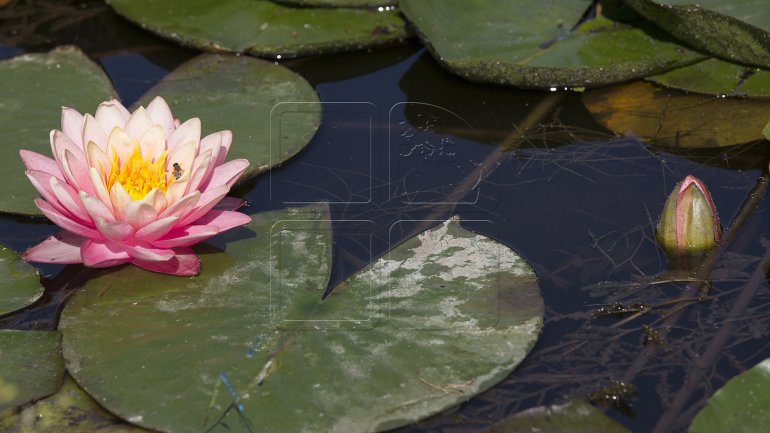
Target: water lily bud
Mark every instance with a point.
(689, 225)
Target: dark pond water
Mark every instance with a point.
(403, 143)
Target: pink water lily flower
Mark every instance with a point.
(133, 188)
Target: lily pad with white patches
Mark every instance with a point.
(32, 366)
(575, 416)
(249, 344)
(19, 282)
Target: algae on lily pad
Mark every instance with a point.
(736, 30)
(674, 119)
(718, 77)
(740, 406)
(241, 94)
(262, 27)
(19, 282)
(340, 3)
(534, 44)
(33, 89)
(32, 366)
(249, 342)
(574, 417)
(70, 410)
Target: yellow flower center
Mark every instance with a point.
(138, 175)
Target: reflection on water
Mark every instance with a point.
(403, 144)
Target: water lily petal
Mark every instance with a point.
(97, 158)
(224, 220)
(208, 200)
(182, 207)
(76, 172)
(161, 115)
(121, 143)
(226, 174)
(61, 142)
(153, 143)
(100, 189)
(138, 123)
(111, 114)
(184, 264)
(213, 142)
(65, 222)
(201, 168)
(42, 183)
(119, 198)
(93, 131)
(227, 139)
(95, 207)
(156, 199)
(149, 254)
(35, 161)
(103, 254)
(190, 131)
(61, 248)
(186, 236)
(68, 198)
(138, 214)
(72, 125)
(115, 230)
(156, 229)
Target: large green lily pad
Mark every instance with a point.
(262, 27)
(19, 282)
(674, 119)
(740, 406)
(736, 30)
(33, 89)
(70, 410)
(242, 94)
(717, 77)
(573, 417)
(32, 366)
(532, 43)
(439, 318)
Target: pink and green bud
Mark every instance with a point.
(689, 225)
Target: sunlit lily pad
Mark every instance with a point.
(718, 77)
(19, 282)
(573, 417)
(672, 118)
(262, 27)
(737, 30)
(33, 89)
(340, 3)
(439, 318)
(32, 366)
(532, 43)
(241, 94)
(740, 406)
(70, 410)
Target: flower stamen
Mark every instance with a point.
(138, 175)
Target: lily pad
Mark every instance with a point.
(249, 342)
(532, 43)
(740, 406)
(70, 410)
(242, 94)
(32, 366)
(33, 89)
(575, 417)
(19, 282)
(736, 30)
(718, 77)
(340, 3)
(262, 27)
(674, 119)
